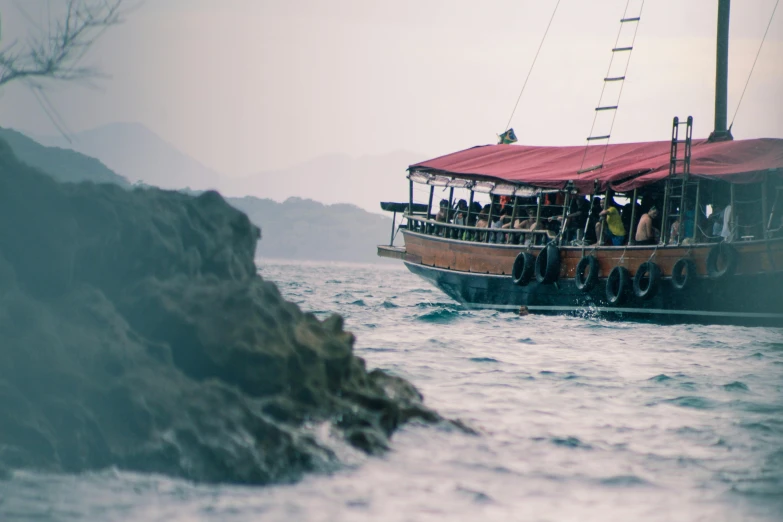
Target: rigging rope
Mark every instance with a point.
(603, 89)
(530, 71)
(625, 73)
(754, 63)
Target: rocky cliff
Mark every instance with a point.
(135, 332)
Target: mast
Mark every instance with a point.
(722, 132)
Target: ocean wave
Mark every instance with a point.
(623, 481)
(569, 442)
(442, 315)
(692, 401)
(736, 386)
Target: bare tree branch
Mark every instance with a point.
(56, 56)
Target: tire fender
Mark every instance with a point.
(522, 271)
(730, 258)
(683, 274)
(618, 285)
(652, 272)
(585, 283)
(548, 265)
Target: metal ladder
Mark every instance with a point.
(674, 198)
(609, 100)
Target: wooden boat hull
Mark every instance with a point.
(478, 275)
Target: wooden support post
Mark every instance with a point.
(696, 212)
(733, 221)
(394, 220)
(632, 232)
(764, 208)
(513, 218)
(489, 217)
(566, 201)
(447, 232)
(428, 227)
(538, 214)
(410, 205)
(587, 220)
(469, 234)
(665, 212)
(602, 221)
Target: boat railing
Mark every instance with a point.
(514, 236)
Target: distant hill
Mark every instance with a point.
(295, 229)
(305, 229)
(364, 181)
(137, 153)
(61, 164)
(134, 151)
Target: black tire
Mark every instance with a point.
(524, 266)
(730, 258)
(618, 285)
(683, 274)
(548, 265)
(652, 273)
(583, 282)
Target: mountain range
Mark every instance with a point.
(63, 164)
(297, 228)
(333, 179)
(140, 155)
(306, 229)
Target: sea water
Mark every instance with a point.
(576, 418)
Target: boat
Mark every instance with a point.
(682, 230)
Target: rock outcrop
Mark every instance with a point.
(135, 332)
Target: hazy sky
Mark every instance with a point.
(251, 85)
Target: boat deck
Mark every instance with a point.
(392, 252)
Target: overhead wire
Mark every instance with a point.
(532, 65)
(772, 16)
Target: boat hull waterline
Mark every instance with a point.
(746, 299)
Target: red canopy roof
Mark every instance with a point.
(626, 165)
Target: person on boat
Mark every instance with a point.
(575, 219)
(443, 213)
(626, 212)
(483, 222)
(726, 231)
(614, 231)
(442, 216)
(646, 233)
(461, 212)
(716, 218)
(475, 211)
(591, 234)
(503, 218)
(483, 217)
(687, 221)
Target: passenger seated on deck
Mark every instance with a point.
(687, 222)
(460, 218)
(461, 212)
(614, 231)
(577, 218)
(483, 217)
(502, 220)
(442, 216)
(443, 213)
(476, 208)
(727, 233)
(646, 234)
